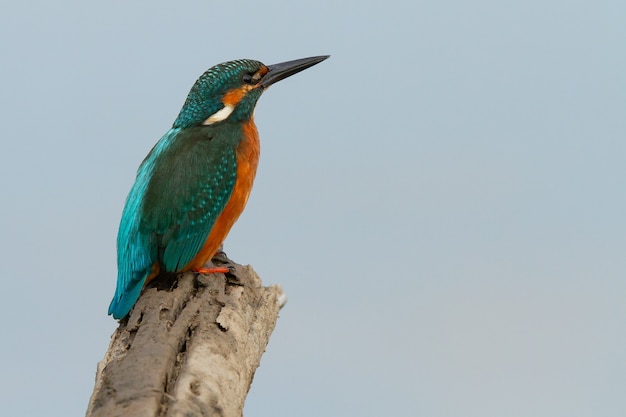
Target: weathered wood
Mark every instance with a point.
(190, 350)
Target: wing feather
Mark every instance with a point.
(181, 188)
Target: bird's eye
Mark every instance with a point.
(248, 78)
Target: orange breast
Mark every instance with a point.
(247, 162)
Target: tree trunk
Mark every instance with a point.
(190, 349)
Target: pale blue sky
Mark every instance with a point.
(442, 200)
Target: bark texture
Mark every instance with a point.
(189, 348)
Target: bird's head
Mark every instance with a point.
(229, 91)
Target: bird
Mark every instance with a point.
(195, 182)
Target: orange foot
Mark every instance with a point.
(213, 270)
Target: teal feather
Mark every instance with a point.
(196, 169)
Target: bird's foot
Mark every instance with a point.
(225, 265)
(220, 258)
(212, 270)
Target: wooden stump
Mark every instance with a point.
(190, 349)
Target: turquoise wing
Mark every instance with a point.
(181, 188)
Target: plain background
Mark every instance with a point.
(442, 200)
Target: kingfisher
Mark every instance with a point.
(195, 182)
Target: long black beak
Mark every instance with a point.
(283, 70)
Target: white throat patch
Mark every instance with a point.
(220, 115)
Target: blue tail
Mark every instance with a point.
(124, 301)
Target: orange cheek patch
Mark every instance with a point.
(234, 96)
